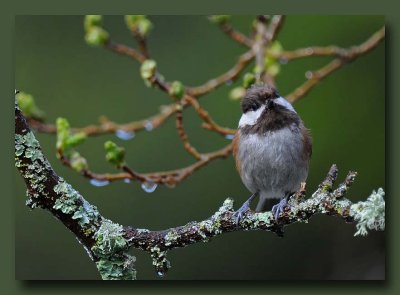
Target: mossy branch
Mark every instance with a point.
(102, 239)
(107, 243)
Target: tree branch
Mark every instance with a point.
(235, 35)
(346, 56)
(230, 75)
(323, 201)
(101, 238)
(107, 243)
(334, 51)
(183, 136)
(107, 126)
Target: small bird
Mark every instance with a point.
(272, 149)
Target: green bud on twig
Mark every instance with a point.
(92, 21)
(219, 19)
(138, 24)
(28, 106)
(75, 139)
(177, 90)
(62, 133)
(248, 80)
(64, 138)
(114, 154)
(78, 163)
(237, 93)
(272, 66)
(148, 69)
(275, 48)
(132, 21)
(96, 36)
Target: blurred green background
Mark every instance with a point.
(345, 112)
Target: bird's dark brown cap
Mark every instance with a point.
(262, 91)
(257, 95)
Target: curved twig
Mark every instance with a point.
(107, 126)
(347, 55)
(235, 35)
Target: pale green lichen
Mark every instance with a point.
(67, 202)
(19, 150)
(109, 239)
(171, 237)
(263, 218)
(142, 230)
(160, 260)
(110, 248)
(28, 148)
(66, 206)
(71, 202)
(369, 214)
(117, 267)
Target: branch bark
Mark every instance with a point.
(107, 243)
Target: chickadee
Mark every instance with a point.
(272, 148)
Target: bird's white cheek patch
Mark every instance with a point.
(251, 117)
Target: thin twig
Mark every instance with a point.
(107, 126)
(351, 54)
(209, 123)
(340, 52)
(259, 48)
(125, 50)
(274, 27)
(183, 136)
(235, 35)
(230, 75)
(170, 177)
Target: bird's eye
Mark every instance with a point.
(254, 107)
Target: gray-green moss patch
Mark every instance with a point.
(370, 214)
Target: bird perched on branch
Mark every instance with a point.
(272, 148)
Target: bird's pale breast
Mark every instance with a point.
(272, 163)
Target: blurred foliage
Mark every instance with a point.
(68, 78)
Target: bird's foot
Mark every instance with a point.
(242, 210)
(279, 208)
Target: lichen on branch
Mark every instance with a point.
(108, 243)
